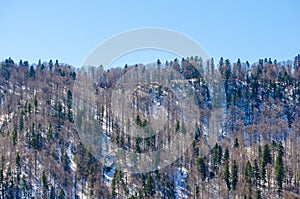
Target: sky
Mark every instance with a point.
(70, 30)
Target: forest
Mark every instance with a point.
(256, 153)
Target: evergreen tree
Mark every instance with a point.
(50, 131)
(236, 143)
(256, 173)
(279, 169)
(21, 122)
(170, 189)
(15, 137)
(158, 62)
(18, 166)
(258, 194)
(202, 168)
(234, 174)
(217, 156)
(266, 158)
(62, 194)
(52, 193)
(138, 120)
(113, 187)
(69, 105)
(226, 154)
(226, 175)
(220, 154)
(263, 173)
(177, 126)
(31, 72)
(35, 104)
(150, 186)
(248, 172)
(44, 185)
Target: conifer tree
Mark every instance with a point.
(202, 168)
(279, 168)
(226, 175)
(234, 174)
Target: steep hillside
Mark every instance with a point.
(255, 154)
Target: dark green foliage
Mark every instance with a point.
(31, 72)
(29, 108)
(150, 186)
(177, 126)
(258, 194)
(256, 173)
(226, 154)
(36, 139)
(234, 175)
(73, 75)
(236, 143)
(44, 185)
(266, 159)
(59, 110)
(217, 156)
(280, 148)
(59, 114)
(15, 137)
(159, 92)
(170, 189)
(279, 168)
(44, 180)
(248, 173)
(158, 62)
(69, 105)
(52, 193)
(62, 194)
(35, 104)
(138, 120)
(120, 140)
(202, 168)
(50, 131)
(21, 122)
(137, 148)
(226, 175)
(18, 166)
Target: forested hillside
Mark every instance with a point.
(257, 154)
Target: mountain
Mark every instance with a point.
(243, 121)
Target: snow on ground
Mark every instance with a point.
(108, 175)
(79, 192)
(5, 118)
(72, 164)
(180, 183)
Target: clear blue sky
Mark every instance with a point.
(70, 30)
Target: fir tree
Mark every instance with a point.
(52, 193)
(44, 185)
(62, 194)
(202, 168)
(248, 172)
(226, 175)
(18, 166)
(234, 174)
(226, 154)
(150, 186)
(279, 169)
(236, 143)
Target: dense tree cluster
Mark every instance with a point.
(257, 155)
